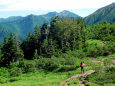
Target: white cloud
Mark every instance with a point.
(52, 4)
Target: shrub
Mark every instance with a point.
(66, 68)
(15, 71)
(4, 72)
(70, 61)
(47, 63)
(27, 66)
(76, 53)
(98, 67)
(13, 79)
(3, 80)
(13, 64)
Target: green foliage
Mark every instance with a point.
(60, 46)
(68, 33)
(64, 34)
(4, 72)
(65, 68)
(101, 31)
(102, 76)
(40, 78)
(96, 48)
(27, 66)
(11, 51)
(107, 62)
(90, 84)
(45, 63)
(15, 71)
(36, 54)
(62, 63)
(13, 79)
(74, 82)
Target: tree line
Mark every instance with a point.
(61, 35)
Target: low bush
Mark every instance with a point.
(13, 79)
(27, 66)
(15, 71)
(47, 63)
(66, 68)
(101, 77)
(13, 64)
(4, 72)
(3, 80)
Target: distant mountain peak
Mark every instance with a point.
(66, 13)
(63, 13)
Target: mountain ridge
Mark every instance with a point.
(24, 25)
(106, 14)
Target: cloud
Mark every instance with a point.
(51, 4)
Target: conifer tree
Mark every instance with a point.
(10, 50)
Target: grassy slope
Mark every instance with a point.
(44, 78)
(40, 78)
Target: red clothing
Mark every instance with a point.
(81, 64)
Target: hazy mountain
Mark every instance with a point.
(106, 13)
(23, 25)
(50, 14)
(66, 13)
(10, 19)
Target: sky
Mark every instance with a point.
(38, 7)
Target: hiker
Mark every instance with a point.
(82, 66)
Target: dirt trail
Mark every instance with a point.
(75, 76)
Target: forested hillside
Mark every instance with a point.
(106, 14)
(23, 25)
(63, 34)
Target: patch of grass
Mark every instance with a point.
(41, 78)
(74, 82)
(92, 41)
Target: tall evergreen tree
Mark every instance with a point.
(10, 50)
(44, 31)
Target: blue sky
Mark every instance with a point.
(82, 12)
(38, 7)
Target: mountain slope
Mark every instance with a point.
(106, 13)
(23, 25)
(10, 19)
